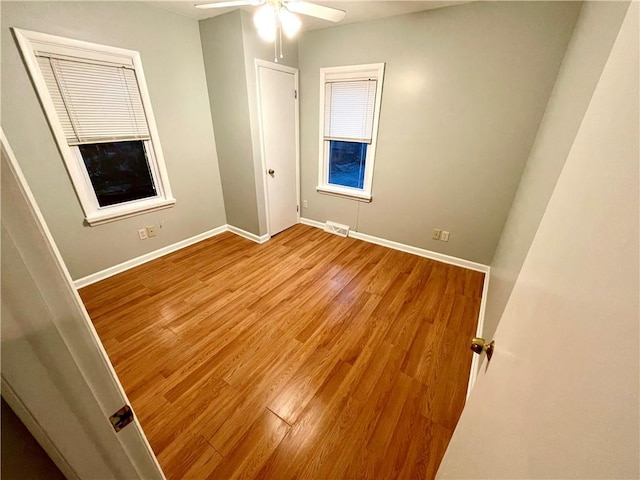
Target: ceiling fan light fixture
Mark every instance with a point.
(265, 22)
(267, 34)
(290, 22)
(277, 17)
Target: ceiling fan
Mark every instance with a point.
(275, 17)
(294, 6)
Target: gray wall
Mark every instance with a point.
(230, 46)
(464, 92)
(584, 60)
(172, 60)
(223, 51)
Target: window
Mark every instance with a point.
(97, 104)
(118, 171)
(350, 108)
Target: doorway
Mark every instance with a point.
(279, 138)
(55, 374)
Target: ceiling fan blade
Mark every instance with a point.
(230, 3)
(313, 10)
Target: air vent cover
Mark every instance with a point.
(336, 228)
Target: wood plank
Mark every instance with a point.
(204, 466)
(351, 460)
(254, 448)
(303, 385)
(299, 447)
(187, 456)
(309, 356)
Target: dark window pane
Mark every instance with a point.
(346, 163)
(119, 171)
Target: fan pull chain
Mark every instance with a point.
(275, 51)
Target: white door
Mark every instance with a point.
(55, 373)
(559, 399)
(278, 101)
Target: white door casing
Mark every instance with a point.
(559, 398)
(55, 373)
(278, 114)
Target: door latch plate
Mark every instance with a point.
(121, 418)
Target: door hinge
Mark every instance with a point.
(121, 418)
(295, 94)
(297, 208)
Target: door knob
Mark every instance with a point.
(271, 171)
(479, 345)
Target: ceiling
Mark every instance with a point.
(357, 10)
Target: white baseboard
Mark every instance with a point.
(147, 257)
(312, 223)
(248, 235)
(421, 252)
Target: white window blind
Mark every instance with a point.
(349, 110)
(95, 102)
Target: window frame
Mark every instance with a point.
(349, 72)
(30, 42)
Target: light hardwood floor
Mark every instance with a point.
(310, 356)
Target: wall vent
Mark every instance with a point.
(336, 228)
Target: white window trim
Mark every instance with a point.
(344, 73)
(30, 42)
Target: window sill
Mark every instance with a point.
(100, 218)
(344, 193)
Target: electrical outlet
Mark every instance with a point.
(436, 234)
(151, 231)
(142, 233)
(305, 204)
(444, 236)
